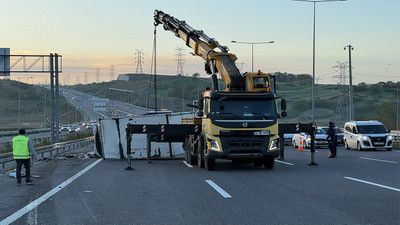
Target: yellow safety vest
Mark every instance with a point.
(20, 147)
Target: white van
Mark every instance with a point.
(367, 135)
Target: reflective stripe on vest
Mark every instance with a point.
(20, 147)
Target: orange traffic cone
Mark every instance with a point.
(300, 146)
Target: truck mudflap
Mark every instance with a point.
(238, 148)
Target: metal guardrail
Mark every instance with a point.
(41, 151)
(9, 133)
(37, 140)
(396, 136)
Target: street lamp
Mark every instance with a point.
(313, 77)
(351, 112)
(252, 49)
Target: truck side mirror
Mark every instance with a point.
(200, 113)
(283, 104)
(283, 108)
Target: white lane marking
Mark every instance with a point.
(44, 197)
(375, 184)
(218, 189)
(379, 160)
(306, 150)
(279, 161)
(187, 164)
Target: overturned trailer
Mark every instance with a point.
(111, 141)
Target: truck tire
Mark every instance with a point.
(200, 158)
(209, 163)
(190, 159)
(269, 163)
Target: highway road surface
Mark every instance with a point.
(354, 188)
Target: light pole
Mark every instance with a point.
(351, 113)
(252, 49)
(313, 76)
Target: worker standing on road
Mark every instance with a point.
(332, 139)
(22, 150)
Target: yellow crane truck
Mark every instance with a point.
(239, 123)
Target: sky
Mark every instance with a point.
(94, 36)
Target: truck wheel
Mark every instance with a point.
(200, 147)
(389, 149)
(269, 163)
(209, 163)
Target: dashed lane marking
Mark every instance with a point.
(371, 183)
(283, 162)
(218, 189)
(379, 160)
(187, 164)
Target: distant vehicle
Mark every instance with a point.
(339, 134)
(89, 127)
(364, 135)
(95, 123)
(319, 139)
(64, 128)
(74, 129)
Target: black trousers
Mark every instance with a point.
(27, 165)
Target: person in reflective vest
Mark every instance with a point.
(204, 92)
(22, 150)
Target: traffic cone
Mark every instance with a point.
(300, 146)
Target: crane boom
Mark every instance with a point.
(203, 46)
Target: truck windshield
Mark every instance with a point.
(371, 129)
(263, 109)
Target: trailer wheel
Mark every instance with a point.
(269, 163)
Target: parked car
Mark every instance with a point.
(339, 134)
(319, 139)
(364, 135)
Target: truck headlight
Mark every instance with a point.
(215, 145)
(274, 144)
(390, 137)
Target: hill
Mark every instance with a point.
(371, 101)
(30, 104)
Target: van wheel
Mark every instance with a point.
(359, 146)
(346, 146)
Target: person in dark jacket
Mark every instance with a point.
(332, 139)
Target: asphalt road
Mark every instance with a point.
(355, 188)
